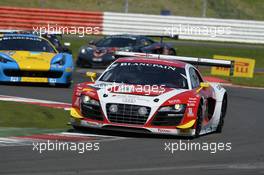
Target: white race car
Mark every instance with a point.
(157, 95)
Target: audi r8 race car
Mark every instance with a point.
(33, 59)
(163, 96)
(101, 53)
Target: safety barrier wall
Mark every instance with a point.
(187, 28)
(13, 18)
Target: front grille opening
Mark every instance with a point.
(167, 119)
(92, 112)
(127, 114)
(44, 74)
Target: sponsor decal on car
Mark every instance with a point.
(163, 130)
(190, 112)
(149, 65)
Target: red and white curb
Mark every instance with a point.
(241, 86)
(45, 103)
(56, 137)
(228, 84)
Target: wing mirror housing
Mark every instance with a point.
(204, 84)
(91, 75)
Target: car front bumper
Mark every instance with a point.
(12, 74)
(78, 122)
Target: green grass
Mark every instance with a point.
(11, 131)
(21, 115)
(256, 81)
(236, 9)
(208, 51)
(240, 50)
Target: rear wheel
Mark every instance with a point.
(199, 120)
(222, 115)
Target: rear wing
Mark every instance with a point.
(191, 60)
(164, 36)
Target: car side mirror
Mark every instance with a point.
(91, 75)
(204, 84)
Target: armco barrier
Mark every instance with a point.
(13, 18)
(243, 31)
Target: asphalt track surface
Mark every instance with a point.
(145, 154)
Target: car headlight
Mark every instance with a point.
(83, 51)
(60, 62)
(3, 60)
(175, 108)
(89, 101)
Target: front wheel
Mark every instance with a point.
(222, 115)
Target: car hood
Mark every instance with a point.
(141, 90)
(27, 60)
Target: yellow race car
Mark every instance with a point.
(33, 59)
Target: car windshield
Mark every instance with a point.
(146, 74)
(116, 42)
(26, 44)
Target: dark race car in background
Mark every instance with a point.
(54, 39)
(101, 53)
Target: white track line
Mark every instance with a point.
(84, 134)
(29, 100)
(65, 106)
(109, 138)
(240, 86)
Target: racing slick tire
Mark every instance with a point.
(199, 120)
(222, 115)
